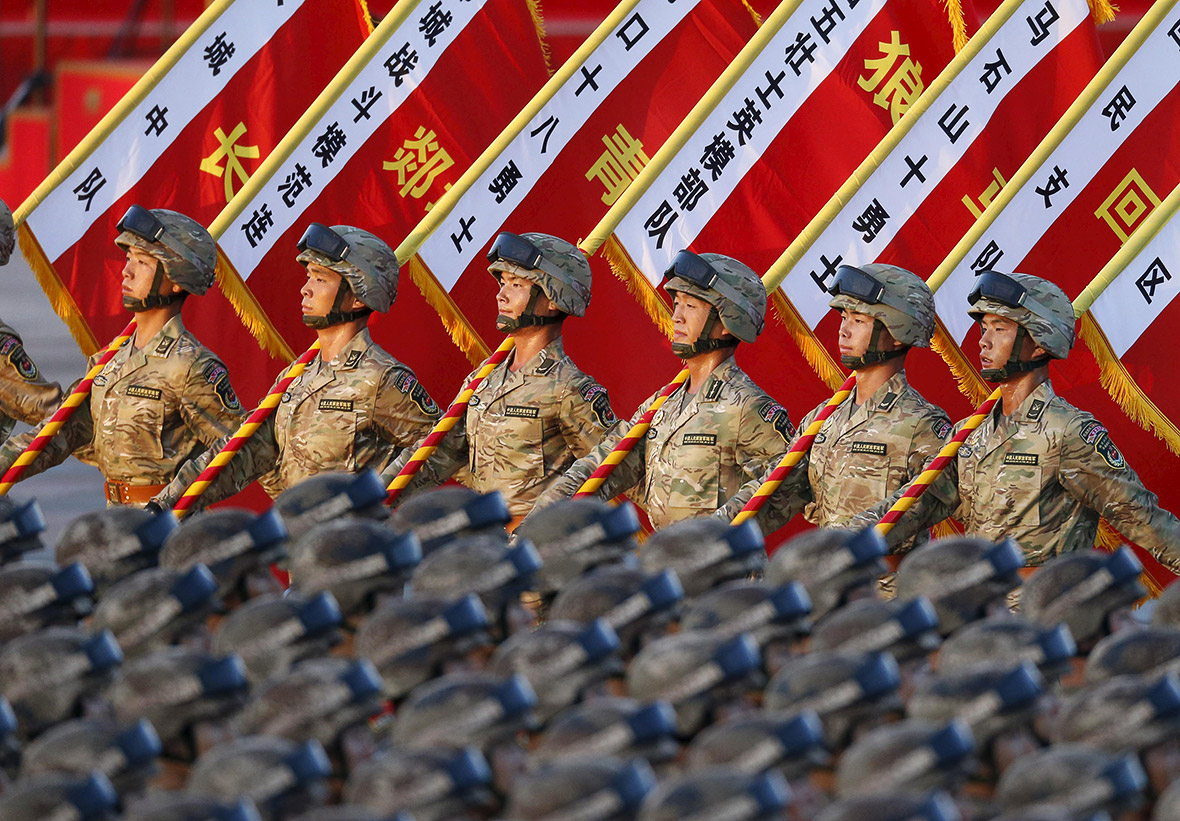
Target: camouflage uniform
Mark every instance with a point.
(25, 395)
(357, 411)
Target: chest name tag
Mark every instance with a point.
(143, 392)
(523, 411)
(336, 404)
(700, 438)
(1022, 459)
(874, 448)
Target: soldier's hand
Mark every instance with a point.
(153, 508)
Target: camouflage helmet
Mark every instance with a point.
(36, 594)
(1080, 779)
(232, 542)
(364, 261)
(273, 632)
(126, 755)
(907, 629)
(280, 776)
(7, 233)
(904, 304)
(114, 542)
(157, 607)
(609, 725)
(717, 792)
(735, 291)
(831, 563)
(755, 742)
(1037, 305)
(774, 616)
(87, 798)
(1134, 652)
(183, 247)
(991, 700)
(440, 515)
(705, 552)
(465, 709)
(1007, 640)
(331, 496)
(910, 755)
(962, 576)
(434, 785)
(576, 535)
(20, 526)
(562, 272)
(593, 789)
(895, 806)
(1122, 713)
(1082, 589)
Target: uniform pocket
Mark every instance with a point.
(139, 421)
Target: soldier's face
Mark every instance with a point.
(856, 331)
(513, 297)
(138, 274)
(689, 314)
(319, 292)
(997, 336)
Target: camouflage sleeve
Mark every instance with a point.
(75, 434)
(208, 405)
(586, 416)
(1093, 470)
(927, 442)
(447, 460)
(938, 502)
(24, 393)
(404, 413)
(255, 458)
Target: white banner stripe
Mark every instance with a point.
(129, 151)
(386, 89)
(653, 254)
(1148, 76)
(477, 216)
(946, 130)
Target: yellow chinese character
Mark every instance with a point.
(897, 85)
(418, 162)
(230, 151)
(985, 199)
(1127, 206)
(619, 164)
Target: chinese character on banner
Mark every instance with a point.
(294, 184)
(1156, 275)
(418, 162)
(259, 223)
(86, 190)
(619, 164)
(218, 52)
(229, 151)
(989, 194)
(1128, 205)
(896, 85)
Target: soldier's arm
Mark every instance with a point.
(939, 501)
(585, 416)
(1093, 470)
(76, 433)
(208, 404)
(788, 500)
(253, 460)
(765, 434)
(404, 413)
(445, 462)
(24, 393)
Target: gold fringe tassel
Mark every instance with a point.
(453, 320)
(1123, 389)
(1102, 10)
(59, 296)
(969, 382)
(542, 35)
(947, 528)
(753, 13)
(366, 15)
(625, 269)
(248, 309)
(817, 355)
(954, 13)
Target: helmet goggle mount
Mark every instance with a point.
(695, 269)
(145, 225)
(1001, 288)
(326, 242)
(855, 283)
(519, 251)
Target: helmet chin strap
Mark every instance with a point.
(873, 354)
(337, 316)
(1015, 365)
(154, 299)
(527, 319)
(686, 350)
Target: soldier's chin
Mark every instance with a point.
(504, 324)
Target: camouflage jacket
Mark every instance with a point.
(521, 431)
(25, 396)
(150, 410)
(357, 411)
(862, 454)
(699, 450)
(1043, 476)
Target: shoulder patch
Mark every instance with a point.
(1022, 459)
(1091, 431)
(1110, 454)
(713, 392)
(354, 358)
(780, 421)
(599, 401)
(217, 375)
(21, 362)
(408, 384)
(941, 428)
(700, 439)
(872, 448)
(144, 392)
(888, 401)
(1036, 409)
(522, 411)
(336, 405)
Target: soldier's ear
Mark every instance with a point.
(167, 286)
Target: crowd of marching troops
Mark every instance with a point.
(504, 650)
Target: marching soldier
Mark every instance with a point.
(355, 406)
(536, 413)
(24, 394)
(163, 397)
(716, 431)
(1037, 470)
(883, 434)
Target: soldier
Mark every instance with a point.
(536, 412)
(1037, 470)
(355, 406)
(718, 429)
(163, 398)
(885, 431)
(24, 394)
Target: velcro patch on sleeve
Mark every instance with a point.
(941, 428)
(21, 362)
(700, 439)
(1022, 459)
(599, 401)
(1110, 454)
(218, 376)
(873, 448)
(336, 405)
(144, 392)
(408, 384)
(779, 419)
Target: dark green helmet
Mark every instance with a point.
(184, 249)
(733, 289)
(367, 267)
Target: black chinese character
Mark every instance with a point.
(1040, 23)
(547, 127)
(660, 221)
(328, 144)
(871, 221)
(365, 103)
(259, 223)
(951, 126)
(625, 34)
(1174, 32)
(296, 181)
(800, 50)
(504, 181)
(155, 120)
(915, 170)
(988, 258)
(1155, 275)
(1055, 183)
(827, 20)
(690, 189)
(744, 119)
(464, 233)
(401, 63)
(772, 85)
(991, 72)
(829, 271)
(1119, 106)
(89, 186)
(717, 155)
(218, 52)
(434, 22)
(588, 80)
